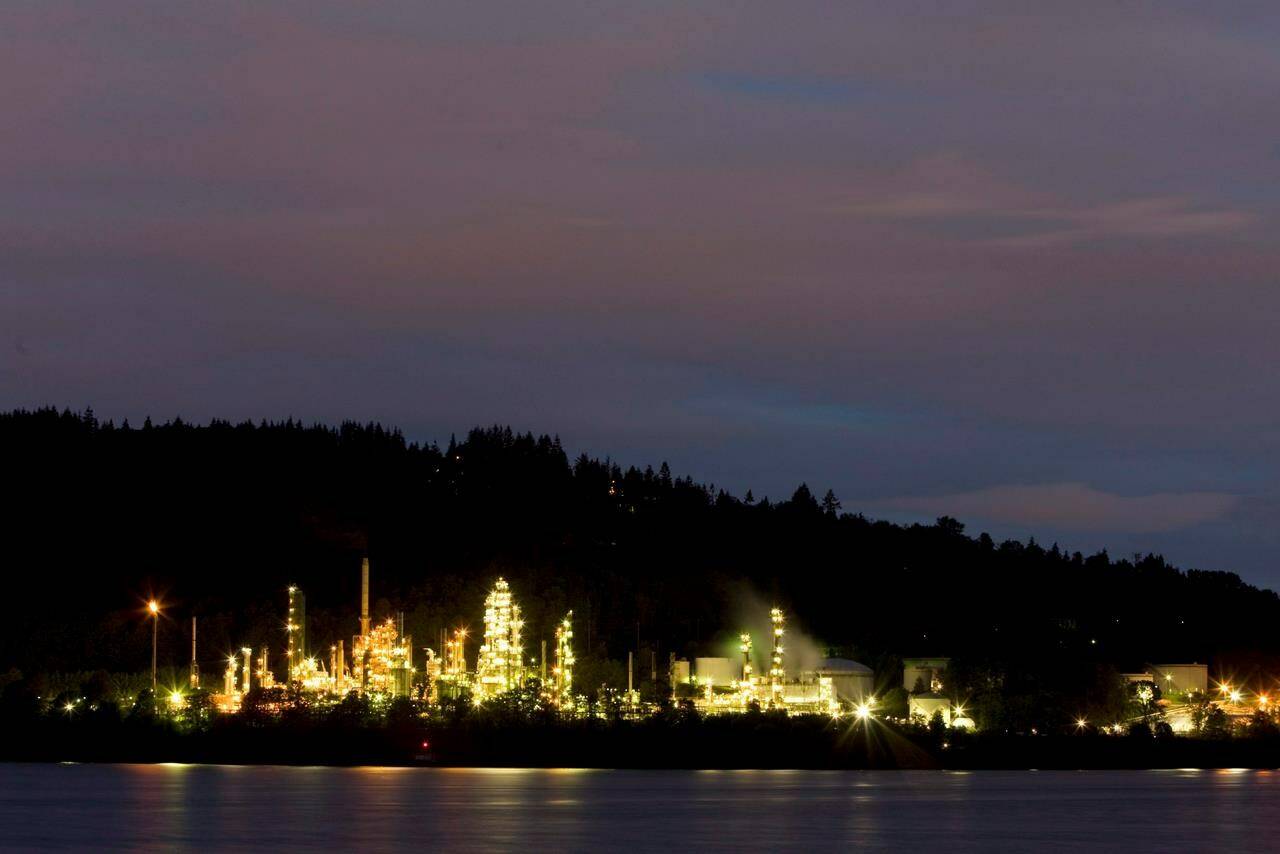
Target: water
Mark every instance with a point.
(375, 809)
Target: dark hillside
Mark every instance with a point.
(218, 519)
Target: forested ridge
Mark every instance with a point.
(217, 519)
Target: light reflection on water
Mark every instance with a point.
(375, 809)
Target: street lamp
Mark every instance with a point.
(154, 607)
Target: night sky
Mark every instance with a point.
(1014, 262)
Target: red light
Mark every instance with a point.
(425, 745)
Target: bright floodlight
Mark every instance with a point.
(1235, 696)
(863, 712)
(153, 606)
(1081, 723)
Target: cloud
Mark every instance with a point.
(1152, 218)
(1074, 507)
(946, 189)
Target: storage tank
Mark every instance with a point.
(719, 672)
(925, 706)
(852, 681)
(923, 672)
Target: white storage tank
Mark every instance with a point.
(718, 672)
(853, 682)
(927, 705)
(923, 674)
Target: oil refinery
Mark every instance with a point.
(382, 663)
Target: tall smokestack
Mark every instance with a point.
(364, 597)
(195, 668)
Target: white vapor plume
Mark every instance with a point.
(750, 613)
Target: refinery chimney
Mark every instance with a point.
(364, 597)
(195, 668)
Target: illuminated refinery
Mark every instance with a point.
(381, 663)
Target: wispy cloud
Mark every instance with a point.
(1151, 218)
(1073, 507)
(950, 190)
(1162, 217)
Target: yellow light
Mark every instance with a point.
(1235, 696)
(1263, 699)
(69, 707)
(153, 606)
(863, 711)
(175, 698)
(1081, 723)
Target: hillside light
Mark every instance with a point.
(863, 712)
(1235, 696)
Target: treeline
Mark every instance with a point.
(217, 519)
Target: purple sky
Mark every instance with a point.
(1015, 262)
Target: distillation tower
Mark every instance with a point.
(562, 673)
(777, 675)
(500, 666)
(296, 634)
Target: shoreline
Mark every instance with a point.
(1012, 754)
(651, 768)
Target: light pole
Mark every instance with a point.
(154, 608)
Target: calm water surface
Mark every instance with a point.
(375, 809)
